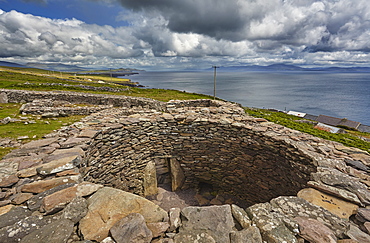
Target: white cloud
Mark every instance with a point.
(198, 32)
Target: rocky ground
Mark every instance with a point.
(44, 198)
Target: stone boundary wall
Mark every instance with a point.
(43, 188)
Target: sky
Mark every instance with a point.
(185, 34)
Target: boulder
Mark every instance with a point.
(60, 164)
(56, 232)
(131, 228)
(216, 221)
(108, 205)
(158, 229)
(58, 200)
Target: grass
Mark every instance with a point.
(36, 130)
(351, 139)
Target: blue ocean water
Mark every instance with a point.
(343, 95)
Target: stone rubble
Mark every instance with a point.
(86, 182)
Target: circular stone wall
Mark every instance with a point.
(232, 156)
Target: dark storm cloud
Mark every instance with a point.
(215, 18)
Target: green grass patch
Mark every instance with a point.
(36, 129)
(350, 139)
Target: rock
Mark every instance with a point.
(343, 194)
(43, 185)
(86, 188)
(21, 198)
(158, 229)
(241, 216)
(72, 142)
(150, 179)
(108, 205)
(314, 231)
(175, 221)
(8, 167)
(271, 224)
(50, 114)
(14, 233)
(26, 162)
(177, 175)
(358, 235)
(70, 151)
(8, 180)
(75, 210)
(106, 240)
(87, 133)
(39, 143)
(14, 215)
(341, 208)
(247, 235)
(131, 228)
(6, 209)
(216, 221)
(3, 98)
(58, 165)
(36, 201)
(58, 200)
(202, 201)
(333, 177)
(198, 236)
(363, 215)
(298, 207)
(56, 232)
(357, 165)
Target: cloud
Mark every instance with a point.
(186, 32)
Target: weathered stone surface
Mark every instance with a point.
(87, 133)
(14, 215)
(3, 98)
(199, 236)
(86, 188)
(43, 185)
(333, 177)
(174, 217)
(5, 209)
(247, 235)
(58, 165)
(298, 207)
(39, 143)
(217, 221)
(131, 228)
(358, 235)
(8, 167)
(158, 229)
(36, 201)
(26, 162)
(343, 194)
(363, 215)
(72, 142)
(241, 216)
(108, 205)
(70, 151)
(314, 231)
(75, 210)
(56, 232)
(150, 179)
(14, 233)
(334, 205)
(177, 175)
(58, 200)
(8, 180)
(271, 224)
(21, 198)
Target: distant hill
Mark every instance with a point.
(11, 64)
(57, 67)
(285, 67)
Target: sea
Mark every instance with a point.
(337, 94)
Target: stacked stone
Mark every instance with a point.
(311, 188)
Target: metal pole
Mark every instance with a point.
(214, 81)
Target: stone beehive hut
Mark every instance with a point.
(78, 182)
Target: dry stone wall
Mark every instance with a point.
(60, 188)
